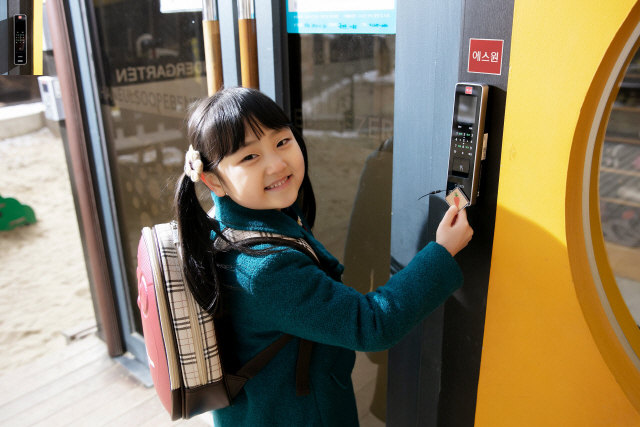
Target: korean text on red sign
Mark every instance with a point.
(485, 56)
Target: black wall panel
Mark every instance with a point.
(464, 314)
(434, 371)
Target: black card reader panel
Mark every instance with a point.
(467, 134)
(20, 39)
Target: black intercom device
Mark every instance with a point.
(468, 140)
(20, 39)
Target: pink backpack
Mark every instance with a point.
(182, 349)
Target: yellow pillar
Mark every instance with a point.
(37, 37)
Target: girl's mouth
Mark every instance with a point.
(279, 184)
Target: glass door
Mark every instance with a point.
(149, 66)
(342, 99)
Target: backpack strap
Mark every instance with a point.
(251, 238)
(253, 366)
(302, 367)
(236, 382)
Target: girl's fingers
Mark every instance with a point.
(450, 215)
(462, 216)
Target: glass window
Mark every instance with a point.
(342, 93)
(151, 67)
(620, 188)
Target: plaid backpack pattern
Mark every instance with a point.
(193, 326)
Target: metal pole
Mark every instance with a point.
(248, 44)
(212, 48)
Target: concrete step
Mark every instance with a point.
(17, 120)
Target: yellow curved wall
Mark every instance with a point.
(540, 364)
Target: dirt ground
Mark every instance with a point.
(43, 280)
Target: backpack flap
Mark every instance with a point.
(156, 324)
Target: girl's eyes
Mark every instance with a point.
(253, 156)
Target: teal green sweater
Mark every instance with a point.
(285, 292)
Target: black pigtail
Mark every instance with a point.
(198, 254)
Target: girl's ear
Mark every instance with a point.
(212, 181)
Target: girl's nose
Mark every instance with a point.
(276, 164)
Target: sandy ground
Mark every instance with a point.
(43, 280)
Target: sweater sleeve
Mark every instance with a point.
(291, 294)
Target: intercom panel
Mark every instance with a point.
(20, 39)
(467, 139)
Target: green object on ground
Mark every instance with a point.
(14, 214)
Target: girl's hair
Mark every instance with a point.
(216, 128)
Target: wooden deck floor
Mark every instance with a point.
(82, 386)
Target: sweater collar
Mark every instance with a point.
(231, 214)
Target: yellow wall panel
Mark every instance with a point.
(540, 363)
(37, 37)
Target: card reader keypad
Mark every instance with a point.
(462, 141)
(463, 137)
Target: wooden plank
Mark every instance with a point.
(371, 421)
(625, 140)
(141, 413)
(38, 396)
(56, 402)
(626, 108)
(163, 420)
(152, 409)
(90, 403)
(103, 405)
(115, 406)
(620, 202)
(204, 420)
(621, 172)
(81, 385)
(16, 387)
(25, 372)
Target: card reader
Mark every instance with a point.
(20, 39)
(467, 139)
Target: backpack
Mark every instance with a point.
(180, 336)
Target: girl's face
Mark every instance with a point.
(265, 174)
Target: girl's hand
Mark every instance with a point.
(454, 231)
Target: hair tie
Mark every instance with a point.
(193, 164)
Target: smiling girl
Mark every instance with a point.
(245, 150)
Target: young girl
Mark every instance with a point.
(252, 159)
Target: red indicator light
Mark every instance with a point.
(19, 17)
(468, 90)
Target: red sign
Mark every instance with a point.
(485, 56)
(468, 90)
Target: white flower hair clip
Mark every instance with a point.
(193, 164)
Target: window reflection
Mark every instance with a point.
(151, 68)
(342, 99)
(620, 188)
